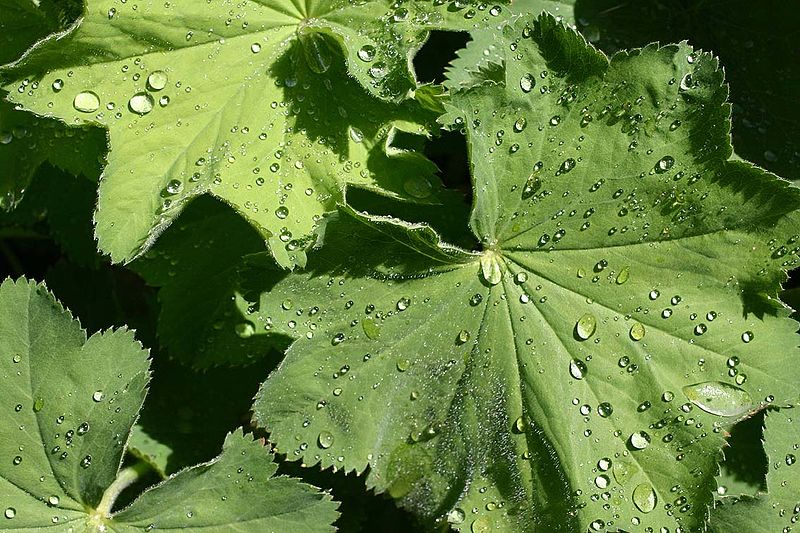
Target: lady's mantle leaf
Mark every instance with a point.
(249, 101)
(579, 373)
(26, 140)
(779, 509)
(68, 406)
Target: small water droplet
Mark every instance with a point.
(58, 85)
(86, 462)
(403, 303)
(456, 516)
(747, 336)
(665, 163)
(623, 275)
(586, 326)
(605, 409)
(567, 165)
(325, 439)
(98, 396)
(10, 513)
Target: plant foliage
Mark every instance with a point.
(580, 331)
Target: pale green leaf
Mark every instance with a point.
(778, 510)
(69, 404)
(251, 103)
(578, 373)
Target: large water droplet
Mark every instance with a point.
(639, 440)
(527, 82)
(316, 51)
(325, 439)
(366, 53)
(644, 497)
(577, 369)
(586, 326)
(86, 102)
(490, 267)
(718, 398)
(141, 103)
(10, 513)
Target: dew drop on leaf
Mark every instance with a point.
(639, 440)
(623, 276)
(98, 396)
(157, 80)
(86, 102)
(456, 516)
(527, 82)
(490, 267)
(637, 331)
(644, 497)
(325, 439)
(58, 85)
(371, 329)
(10, 513)
(586, 326)
(747, 336)
(577, 369)
(719, 398)
(141, 103)
(366, 53)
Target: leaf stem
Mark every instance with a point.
(126, 477)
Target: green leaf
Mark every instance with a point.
(188, 413)
(26, 141)
(70, 404)
(779, 508)
(205, 317)
(578, 372)
(251, 104)
(755, 45)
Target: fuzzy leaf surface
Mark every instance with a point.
(250, 102)
(579, 371)
(70, 403)
(779, 508)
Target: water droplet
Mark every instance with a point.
(577, 369)
(371, 329)
(98, 396)
(665, 163)
(644, 497)
(586, 326)
(86, 462)
(463, 337)
(403, 365)
(366, 53)
(418, 186)
(403, 303)
(567, 165)
(527, 83)
(174, 187)
(17, 460)
(490, 267)
(532, 185)
(520, 124)
(604, 464)
(637, 331)
(639, 440)
(790, 459)
(141, 103)
(605, 409)
(316, 51)
(245, 330)
(255, 48)
(38, 405)
(654, 294)
(86, 102)
(157, 80)
(456, 516)
(10, 513)
(337, 339)
(58, 85)
(718, 398)
(623, 275)
(668, 396)
(325, 439)
(282, 212)
(747, 336)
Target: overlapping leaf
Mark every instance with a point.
(69, 404)
(577, 373)
(779, 509)
(26, 140)
(249, 102)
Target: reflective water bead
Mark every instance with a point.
(86, 102)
